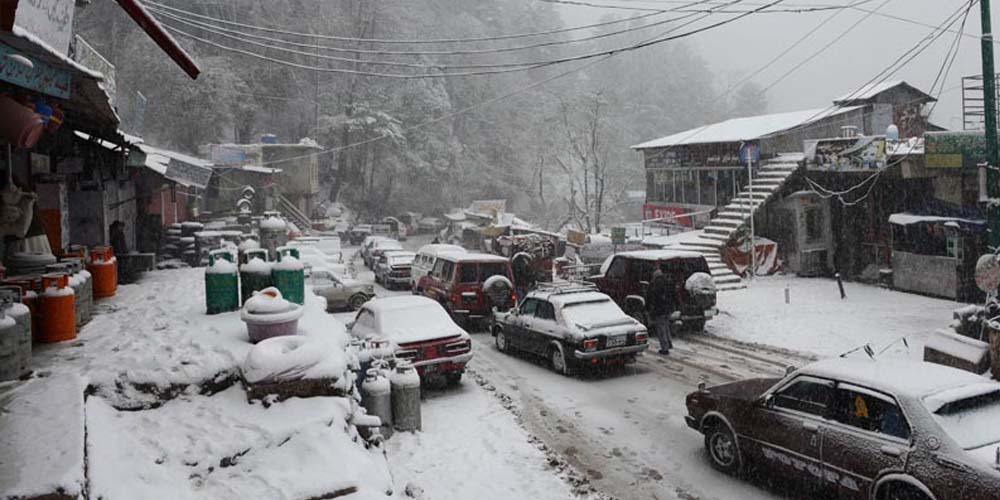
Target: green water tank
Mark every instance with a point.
(289, 275)
(255, 274)
(222, 289)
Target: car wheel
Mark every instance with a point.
(900, 491)
(558, 359)
(696, 326)
(722, 449)
(500, 339)
(357, 300)
(453, 378)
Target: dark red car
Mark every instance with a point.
(625, 276)
(457, 279)
(858, 429)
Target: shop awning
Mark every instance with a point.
(77, 89)
(185, 170)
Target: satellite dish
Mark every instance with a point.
(988, 273)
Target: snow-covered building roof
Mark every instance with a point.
(183, 169)
(745, 129)
(869, 92)
(905, 219)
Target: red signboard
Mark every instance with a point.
(654, 211)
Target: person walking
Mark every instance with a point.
(659, 306)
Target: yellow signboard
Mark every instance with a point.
(948, 160)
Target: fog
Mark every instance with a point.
(737, 49)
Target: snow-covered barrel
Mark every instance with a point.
(255, 274)
(11, 307)
(222, 288)
(405, 385)
(288, 274)
(267, 314)
(55, 318)
(376, 397)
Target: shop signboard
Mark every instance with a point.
(954, 149)
(88, 56)
(847, 154)
(49, 20)
(40, 77)
(618, 236)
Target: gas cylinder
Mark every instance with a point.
(405, 385)
(288, 275)
(29, 286)
(376, 397)
(10, 349)
(76, 283)
(222, 288)
(85, 295)
(55, 309)
(10, 304)
(104, 269)
(255, 275)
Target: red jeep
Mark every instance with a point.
(457, 279)
(624, 278)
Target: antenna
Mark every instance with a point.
(867, 348)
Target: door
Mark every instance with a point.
(544, 328)
(614, 279)
(867, 434)
(788, 430)
(517, 326)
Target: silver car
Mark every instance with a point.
(340, 292)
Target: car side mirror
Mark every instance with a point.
(515, 311)
(767, 401)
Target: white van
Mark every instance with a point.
(426, 257)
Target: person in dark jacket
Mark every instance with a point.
(117, 237)
(659, 307)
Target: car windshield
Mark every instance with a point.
(400, 260)
(593, 313)
(972, 422)
(487, 269)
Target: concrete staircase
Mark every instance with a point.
(769, 179)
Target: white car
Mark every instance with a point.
(378, 248)
(419, 330)
(314, 258)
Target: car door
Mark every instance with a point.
(517, 326)
(544, 328)
(787, 430)
(866, 435)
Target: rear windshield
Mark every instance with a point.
(473, 272)
(488, 269)
(400, 260)
(972, 422)
(589, 314)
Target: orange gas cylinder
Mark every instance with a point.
(104, 268)
(30, 287)
(56, 321)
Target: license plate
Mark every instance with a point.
(430, 369)
(617, 340)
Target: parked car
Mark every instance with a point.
(430, 225)
(339, 291)
(314, 258)
(457, 280)
(573, 326)
(420, 331)
(860, 429)
(358, 233)
(624, 277)
(425, 259)
(393, 270)
(366, 246)
(378, 248)
(329, 244)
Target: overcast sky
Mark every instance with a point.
(745, 45)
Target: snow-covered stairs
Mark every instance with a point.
(769, 179)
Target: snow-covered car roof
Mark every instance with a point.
(387, 242)
(440, 248)
(896, 376)
(412, 318)
(472, 257)
(563, 299)
(659, 255)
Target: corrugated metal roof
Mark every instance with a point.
(744, 129)
(870, 91)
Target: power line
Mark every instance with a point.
(404, 41)
(802, 8)
(497, 68)
(242, 36)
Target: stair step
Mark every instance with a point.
(790, 167)
(728, 223)
(725, 231)
(741, 216)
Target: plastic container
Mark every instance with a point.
(55, 318)
(104, 269)
(405, 383)
(255, 274)
(267, 314)
(222, 287)
(11, 306)
(288, 274)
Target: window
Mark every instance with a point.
(617, 269)
(545, 311)
(869, 411)
(528, 307)
(805, 394)
(438, 268)
(446, 270)
(467, 273)
(488, 269)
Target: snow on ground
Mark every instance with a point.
(471, 447)
(816, 320)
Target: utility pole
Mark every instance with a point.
(990, 111)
